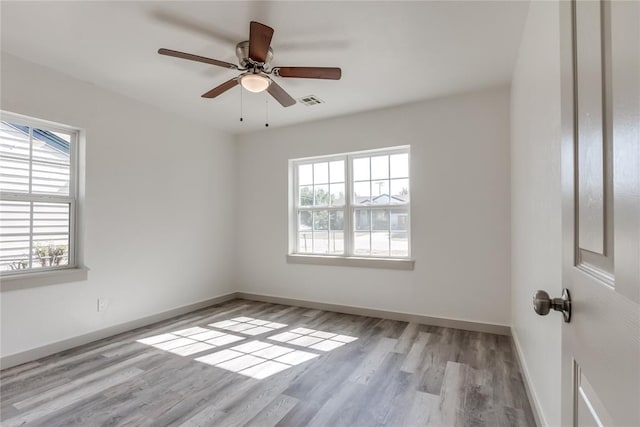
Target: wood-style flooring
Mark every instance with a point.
(289, 366)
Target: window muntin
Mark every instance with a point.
(37, 195)
(353, 204)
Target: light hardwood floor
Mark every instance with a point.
(289, 366)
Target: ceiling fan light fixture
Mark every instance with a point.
(255, 82)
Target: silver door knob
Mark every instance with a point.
(542, 304)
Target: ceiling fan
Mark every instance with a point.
(254, 56)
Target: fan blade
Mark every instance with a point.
(329, 73)
(192, 57)
(259, 41)
(280, 95)
(218, 90)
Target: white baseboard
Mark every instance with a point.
(56, 347)
(384, 314)
(49, 349)
(528, 385)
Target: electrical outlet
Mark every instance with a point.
(102, 304)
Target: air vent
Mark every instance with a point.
(310, 100)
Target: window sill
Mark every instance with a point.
(388, 263)
(34, 279)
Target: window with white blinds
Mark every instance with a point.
(37, 195)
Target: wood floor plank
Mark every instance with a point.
(72, 397)
(415, 357)
(367, 369)
(388, 389)
(389, 373)
(452, 395)
(274, 412)
(406, 340)
(424, 407)
(335, 409)
(79, 382)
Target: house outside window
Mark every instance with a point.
(352, 205)
(38, 195)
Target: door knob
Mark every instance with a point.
(542, 304)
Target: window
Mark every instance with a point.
(38, 192)
(352, 205)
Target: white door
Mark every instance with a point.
(600, 46)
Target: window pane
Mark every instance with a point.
(336, 242)
(336, 220)
(51, 162)
(399, 190)
(14, 158)
(337, 194)
(50, 251)
(380, 219)
(50, 218)
(399, 244)
(362, 192)
(50, 234)
(380, 243)
(320, 242)
(14, 235)
(380, 167)
(361, 169)
(48, 178)
(399, 165)
(399, 219)
(305, 174)
(380, 190)
(362, 244)
(363, 219)
(306, 220)
(14, 175)
(321, 173)
(321, 220)
(336, 171)
(321, 195)
(305, 242)
(306, 196)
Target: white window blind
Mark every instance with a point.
(37, 195)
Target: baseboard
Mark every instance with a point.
(56, 347)
(528, 386)
(49, 349)
(384, 314)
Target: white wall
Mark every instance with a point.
(158, 224)
(460, 209)
(535, 202)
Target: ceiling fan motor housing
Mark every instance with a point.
(242, 52)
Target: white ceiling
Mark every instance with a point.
(390, 52)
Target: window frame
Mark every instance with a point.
(71, 198)
(348, 209)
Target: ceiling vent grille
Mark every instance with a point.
(310, 100)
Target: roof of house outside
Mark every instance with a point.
(381, 199)
(49, 138)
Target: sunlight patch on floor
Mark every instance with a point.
(248, 325)
(311, 338)
(190, 341)
(255, 359)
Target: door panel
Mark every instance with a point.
(589, 117)
(590, 411)
(601, 345)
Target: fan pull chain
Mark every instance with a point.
(266, 119)
(241, 103)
